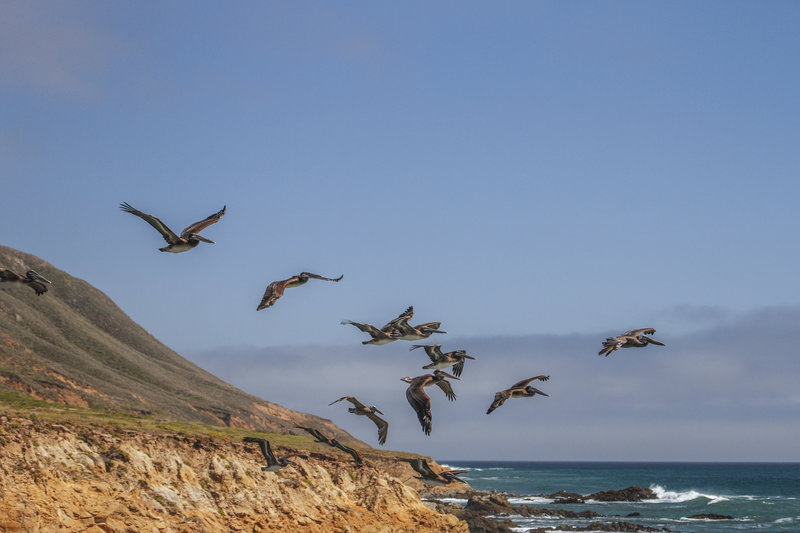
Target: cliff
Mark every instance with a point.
(58, 473)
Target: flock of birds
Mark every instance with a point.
(396, 329)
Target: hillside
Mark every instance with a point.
(74, 346)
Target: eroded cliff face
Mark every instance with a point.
(67, 477)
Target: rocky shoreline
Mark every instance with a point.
(487, 512)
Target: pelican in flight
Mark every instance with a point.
(441, 360)
(319, 437)
(407, 332)
(189, 237)
(370, 412)
(387, 333)
(421, 402)
(636, 338)
(517, 390)
(31, 278)
(273, 463)
(276, 288)
(429, 477)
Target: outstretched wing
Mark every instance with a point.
(315, 276)
(421, 403)
(273, 292)
(524, 382)
(637, 332)
(366, 328)
(162, 228)
(8, 275)
(266, 449)
(448, 390)
(611, 344)
(197, 227)
(401, 320)
(356, 455)
(383, 427)
(351, 399)
(499, 399)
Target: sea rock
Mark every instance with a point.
(627, 527)
(630, 494)
(710, 516)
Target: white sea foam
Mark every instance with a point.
(459, 501)
(529, 499)
(784, 520)
(664, 495)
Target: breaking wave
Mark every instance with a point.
(664, 495)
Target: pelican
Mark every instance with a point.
(273, 463)
(517, 390)
(387, 333)
(319, 437)
(276, 288)
(189, 237)
(441, 360)
(363, 410)
(407, 332)
(32, 279)
(429, 477)
(421, 402)
(636, 338)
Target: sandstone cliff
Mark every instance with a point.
(66, 475)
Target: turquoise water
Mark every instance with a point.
(759, 496)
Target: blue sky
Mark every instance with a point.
(543, 168)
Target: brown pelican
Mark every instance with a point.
(429, 477)
(273, 463)
(319, 437)
(517, 390)
(387, 333)
(189, 237)
(31, 279)
(636, 338)
(407, 332)
(421, 402)
(276, 288)
(441, 360)
(363, 410)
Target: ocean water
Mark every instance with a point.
(759, 496)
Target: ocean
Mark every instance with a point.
(759, 496)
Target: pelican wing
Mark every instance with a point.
(315, 276)
(524, 382)
(458, 368)
(637, 332)
(499, 399)
(8, 275)
(197, 227)
(351, 399)
(162, 228)
(611, 344)
(366, 328)
(354, 453)
(447, 388)
(383, 427)
(266, 449)
(38, 286)
(421, 403)
(401, 320)
(273, 292)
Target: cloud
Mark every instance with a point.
(701, 397)
(46, 47)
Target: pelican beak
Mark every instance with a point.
(40, 278)
(469, 357)
(377, 410)
(200, 238)
(438, 331)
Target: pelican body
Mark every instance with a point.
(520, 389)
(273, 463)
(421, 402)
(388, 333)
(276, 288)
(189, 237)
(636, 338)
(370, 412)
(441, 360)
(31, 278)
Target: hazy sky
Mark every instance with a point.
(535, 176)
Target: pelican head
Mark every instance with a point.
(441, 374)
(196, 237)
(376, 410)
(463, 354)
(407, 379)
(32, 274)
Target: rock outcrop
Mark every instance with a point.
(110, 478)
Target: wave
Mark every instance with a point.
(529, 499)
(472, 468)
(664, 495)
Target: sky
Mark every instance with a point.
(536, 176)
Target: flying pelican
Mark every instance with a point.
(429, 477)
(441, 360)
(189, 237)
(407, 332)
(517, 390)
(421, 402)
(363, 410)
(319, 437)
(32, 279)
(276, 288)
(636, 338)
(387, 333)
(273, 464)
